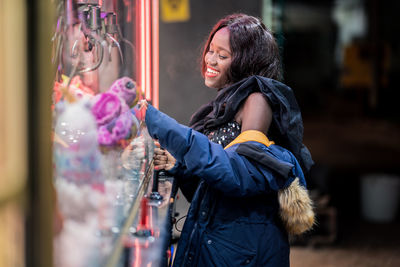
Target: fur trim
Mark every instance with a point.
(296, 208)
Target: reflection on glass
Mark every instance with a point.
(101, 147)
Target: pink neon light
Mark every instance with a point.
(138, 43)
(148, 49)
(155, 46)
(147, 33)
(150, 218)
(138, 260)
(142, 49)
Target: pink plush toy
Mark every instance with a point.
(125, 88)
(106, 107)
(111, 110)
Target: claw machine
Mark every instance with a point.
(109, 209)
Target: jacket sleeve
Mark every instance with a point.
(186, 182)
(226, 171)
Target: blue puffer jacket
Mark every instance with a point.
(233, 218)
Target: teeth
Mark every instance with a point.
(212, 71)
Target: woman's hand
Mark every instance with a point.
(163, 160)
(143, 104)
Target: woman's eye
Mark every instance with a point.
(223, 57)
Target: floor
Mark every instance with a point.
(360, 244)
(344, 257)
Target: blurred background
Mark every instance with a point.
(341, 58)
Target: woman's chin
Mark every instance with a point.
(210, 84)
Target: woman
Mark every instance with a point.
(242, 185)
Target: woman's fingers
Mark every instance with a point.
(143, 104)
(169, 166)
(160, 162)
(160, 159)
(142, 108)
(159, 151)
(157, 144)
(165, 166)
(160, 167)
(163, 159)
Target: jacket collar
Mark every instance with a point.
(251, 135)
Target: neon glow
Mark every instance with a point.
(155, 31)
(138, 259)
(148, 49)
(142, 47)
(150, 219)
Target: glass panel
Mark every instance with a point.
(102, 151)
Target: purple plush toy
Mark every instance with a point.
(125, 88)
(112, 113)
(106, 107)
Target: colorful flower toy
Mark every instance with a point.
(76, 88)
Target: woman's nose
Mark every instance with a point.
(211, 60)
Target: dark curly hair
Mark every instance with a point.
(254, 49)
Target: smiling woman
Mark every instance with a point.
(246, 191)
(251, 47)
(218, 59)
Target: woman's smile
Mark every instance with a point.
(211, 72)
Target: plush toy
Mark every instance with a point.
(126, 89)
(115, 121)
(76, 89)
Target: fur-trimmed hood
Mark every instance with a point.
(296, 208)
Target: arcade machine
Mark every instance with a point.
(112, 209)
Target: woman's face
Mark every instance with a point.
(218, 60)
